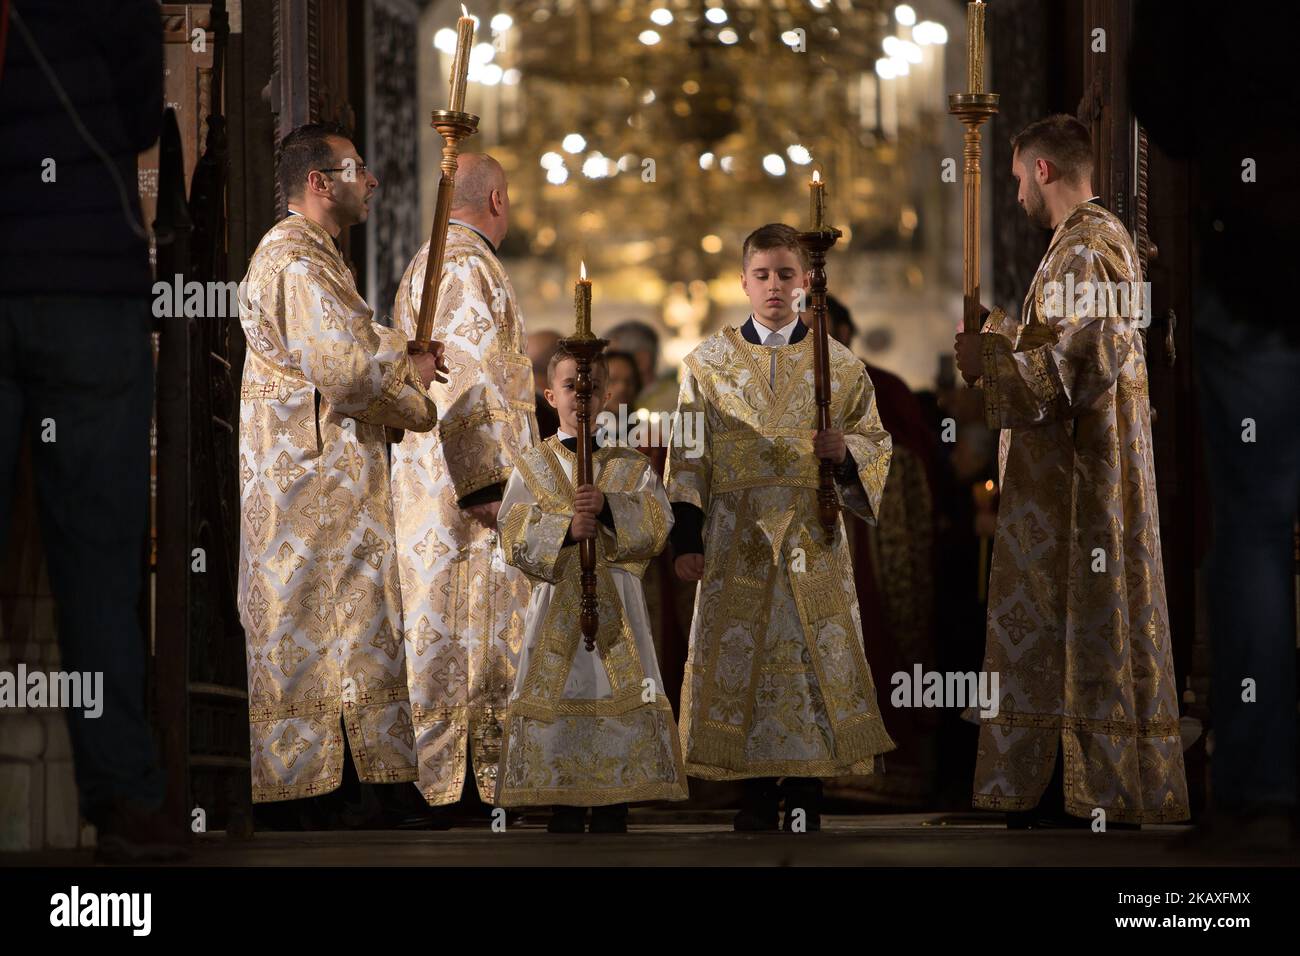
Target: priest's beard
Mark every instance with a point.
(1036, 206)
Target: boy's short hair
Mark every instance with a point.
(775, 235)
(1060, 139)
(562, 354)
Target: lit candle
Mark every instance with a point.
(975, 47)
(582, 303)
(817, 200)
(460, 65)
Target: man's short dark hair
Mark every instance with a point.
(775, 235)
(303, 150)
(1060, 139)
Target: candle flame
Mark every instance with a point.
(988, 485)
(582, 271)
(817, 176)
(463, 12)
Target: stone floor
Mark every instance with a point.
(660, 838)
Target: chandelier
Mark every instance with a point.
(650, 136)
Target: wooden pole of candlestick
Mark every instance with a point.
(816, 242)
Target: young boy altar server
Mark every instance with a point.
(586, 728)
(777, 683)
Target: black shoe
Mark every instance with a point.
(405, 809)
(610, 819)
(1042, 819)
(430, 818)
(567, 820)
(803, 793)
(760, 808)
(128, 833)
(1049, 813)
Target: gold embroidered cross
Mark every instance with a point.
(285, 472)
(371, 549)
(780, 456)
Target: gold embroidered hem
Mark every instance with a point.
(720, 756)
(1114, 814)
(593, 761)
(313, 788)
(780, 768)
(1089, 782)
(597, 798)
(317, 788)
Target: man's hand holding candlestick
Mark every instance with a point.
(689, 567)
(430, 365)
(829, 445)
(485, 514)
(970, 361)
(970, 352)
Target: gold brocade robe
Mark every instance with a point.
(464, 605)
(318, 591)
(1078, 628)
(587, 728)
(776, 679)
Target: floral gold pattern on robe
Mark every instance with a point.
(585, 727)
(1083, 652)
(318, 591)
(464, 605)
(776, 681)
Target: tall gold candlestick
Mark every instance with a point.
(460, 65)
(453, 125)
(973, 108)
(817, 200)
(975, 47)
(582, 304)
(585, 348)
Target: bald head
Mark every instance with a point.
(480, 197)
(477, 175)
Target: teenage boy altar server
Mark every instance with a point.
(586, 728)
(777, 683)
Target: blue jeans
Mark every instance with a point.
(86, 364)
(1249, 570)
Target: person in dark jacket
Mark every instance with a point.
(1239, 135)
(80, 96)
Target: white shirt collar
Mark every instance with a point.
(764, 333)
(561, 434)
